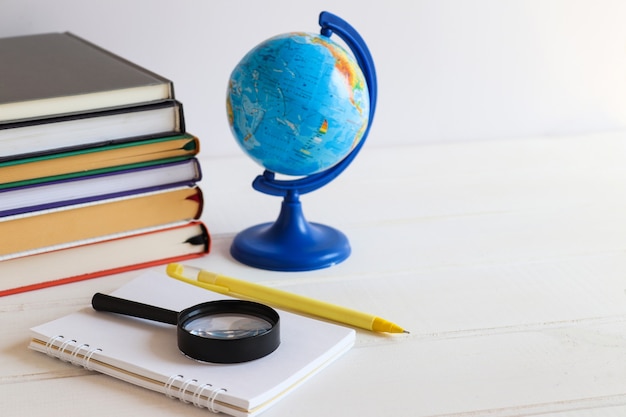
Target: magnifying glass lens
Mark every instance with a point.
(222, 331)
(227, 326)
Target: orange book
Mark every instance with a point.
(107, 255)
(106, 217)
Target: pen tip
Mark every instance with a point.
(406, 331)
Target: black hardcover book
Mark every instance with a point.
(59, 73)
(32, 137)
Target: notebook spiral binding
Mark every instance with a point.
(196, 396)
(81, 354)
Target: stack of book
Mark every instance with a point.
(97, 172)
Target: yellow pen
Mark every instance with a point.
(283, 299)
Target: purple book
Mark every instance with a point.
(69, 191)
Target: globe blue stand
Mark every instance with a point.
(291, 243)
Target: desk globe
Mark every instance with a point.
(300, 105)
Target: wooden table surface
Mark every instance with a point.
(505, 259)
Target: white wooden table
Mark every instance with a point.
(505, 259)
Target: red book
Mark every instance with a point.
(107, 255)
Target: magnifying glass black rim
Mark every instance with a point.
(206, 349)
(235, 350)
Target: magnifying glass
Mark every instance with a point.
(222, 331)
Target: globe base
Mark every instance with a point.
(291, 243)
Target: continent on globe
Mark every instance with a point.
(298, 103)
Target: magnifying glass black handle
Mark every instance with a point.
(108, 303)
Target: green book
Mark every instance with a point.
(89, 161)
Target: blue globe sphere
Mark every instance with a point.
(298, 103)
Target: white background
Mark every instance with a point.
(448, 70)
(505, 258)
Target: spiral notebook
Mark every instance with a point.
(145, 353)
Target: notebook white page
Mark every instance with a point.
(145, 353)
